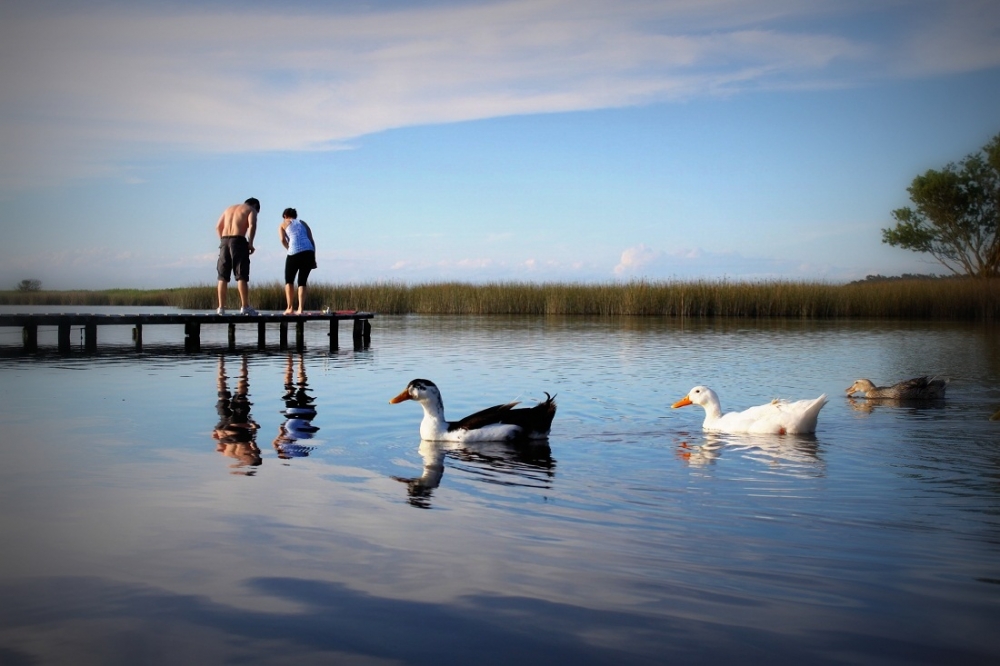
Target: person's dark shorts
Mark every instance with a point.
(234, 255)
(301, 263)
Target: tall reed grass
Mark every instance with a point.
(952, 299)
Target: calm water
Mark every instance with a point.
(142, 524)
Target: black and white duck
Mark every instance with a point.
(500, 423)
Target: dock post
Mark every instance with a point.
(192, 336)
(362, 334)
(232, 336)
(283, 335)
(300, 335)
(334, 334)
(137, 336)
(64, 338)
(261, 338)
(30, 337)
(90, 337)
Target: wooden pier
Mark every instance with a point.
(192, 323)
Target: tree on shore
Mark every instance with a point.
(29, 285)
(956, 214)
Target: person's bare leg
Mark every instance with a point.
(302, 298)
(244, 288)
(289, 299)
(223, 291)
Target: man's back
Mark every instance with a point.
(236, 220)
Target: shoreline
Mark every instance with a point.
(957, 299)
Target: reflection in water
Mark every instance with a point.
(795, 452)
(419, 489)
(525, 464)
(700, 455)
(869, 405)
(299, 412)
(236, 431)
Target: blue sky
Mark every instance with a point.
(525, 140)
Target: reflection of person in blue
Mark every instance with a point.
(236, 431)
(299, 413)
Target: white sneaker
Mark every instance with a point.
(221, 311)
(247, 310)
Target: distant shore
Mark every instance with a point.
(920, 298)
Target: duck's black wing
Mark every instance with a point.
(533, 421)
(481, 419)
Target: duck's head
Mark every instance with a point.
(419, 390)
(862, 385)
(699, 395)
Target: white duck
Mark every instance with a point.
(493, 424)
(779, 417)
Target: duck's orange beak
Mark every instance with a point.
(683, 402)
(405, 395)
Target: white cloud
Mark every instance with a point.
(83, 92)
(634, 260)
(645, 262)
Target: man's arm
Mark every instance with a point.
(252, 228)
(221, 224)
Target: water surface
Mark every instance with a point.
(145, 522)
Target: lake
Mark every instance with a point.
(144, 522)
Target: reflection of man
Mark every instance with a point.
(236, 227)
(236, 431)
(299, 413)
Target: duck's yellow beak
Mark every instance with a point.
(683, 402)
(405, 395)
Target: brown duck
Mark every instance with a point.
(918, 388)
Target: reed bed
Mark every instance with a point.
(925, 299)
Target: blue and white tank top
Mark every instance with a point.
(298, 237)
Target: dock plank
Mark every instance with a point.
(192, 322)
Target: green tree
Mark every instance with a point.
(956, 214)
(29, 285)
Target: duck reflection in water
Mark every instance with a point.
(791, 451)
(524, 464)
(236, 431)
(299, 412)
(867, 406)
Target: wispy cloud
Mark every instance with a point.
(85, 91)
(641, 261)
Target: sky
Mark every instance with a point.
(479, 141)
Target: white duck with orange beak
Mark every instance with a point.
(778, 417)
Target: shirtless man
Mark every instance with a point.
(236, 228)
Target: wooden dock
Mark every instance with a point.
(192, 322)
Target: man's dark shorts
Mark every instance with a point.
(234, 253)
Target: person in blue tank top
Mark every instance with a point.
(297, 238)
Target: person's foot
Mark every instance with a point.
(289, 311)
(220, 311)
(247, 310)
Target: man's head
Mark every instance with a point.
(290, 214)
(253, 203)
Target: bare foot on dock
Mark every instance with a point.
(290, 311)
